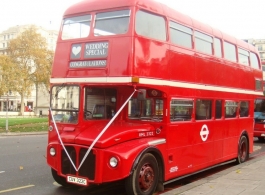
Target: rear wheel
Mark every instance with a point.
(242, 150)
(144, 179)
(261, 138)
(60, 180)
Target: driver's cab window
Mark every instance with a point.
(100, 103)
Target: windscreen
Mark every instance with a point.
(65, 103)
(100, 103)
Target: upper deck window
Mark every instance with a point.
(243, 56)
(180, 35)
(203, 42)
(76, 27)
(230, 51)
(150, 25)
(254, 61)
(112, 23)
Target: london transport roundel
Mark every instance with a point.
(204, 132)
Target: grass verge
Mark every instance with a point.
(34, 124)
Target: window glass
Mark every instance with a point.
(146, 108)
(203, 42)
(230, 51)
(203, 109)
(181, 110)
(100, 103)
(244, 109)
(150, 25)
(243, 56)
(230, 109)
(217, 47)
(76, 27)
(112, 23)
(254, 60)
(258, 84)
(180, 35)
(259, 106)
(65, 103)
(218, 109)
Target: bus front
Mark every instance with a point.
(101, 118)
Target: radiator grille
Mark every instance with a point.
(88, 167)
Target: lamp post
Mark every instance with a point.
(7, 113)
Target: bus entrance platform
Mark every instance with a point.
(244, 179)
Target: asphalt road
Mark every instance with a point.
(23, 170)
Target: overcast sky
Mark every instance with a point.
(240, 18)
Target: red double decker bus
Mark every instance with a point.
(145, 94)
(259, 116)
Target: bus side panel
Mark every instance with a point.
(205, 69)
(231, 136)
(150, 59)
(181, 64)
(218, 141)
(179, 143)
(246, 124)
(203, 146)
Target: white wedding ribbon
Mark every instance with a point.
(97, 138)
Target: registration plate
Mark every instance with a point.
(77, 180)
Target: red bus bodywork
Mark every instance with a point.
(176, 78)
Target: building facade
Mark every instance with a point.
(38, 102)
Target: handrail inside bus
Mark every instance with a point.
(97, 138)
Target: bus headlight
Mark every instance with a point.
(50, 128)
(113, 162)
(52, 152)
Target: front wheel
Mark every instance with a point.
(242, 150)
(144, 178)
(60, 180)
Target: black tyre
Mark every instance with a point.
(243, 152)
(261, 139)
(60, 180)
(144, 179)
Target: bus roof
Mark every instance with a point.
(87, 6)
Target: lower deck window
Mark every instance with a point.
(203, 109)
(146, 109)
(181, 110)
(230, 109)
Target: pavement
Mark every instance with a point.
(244, 179)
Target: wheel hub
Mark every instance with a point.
(146, 177)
